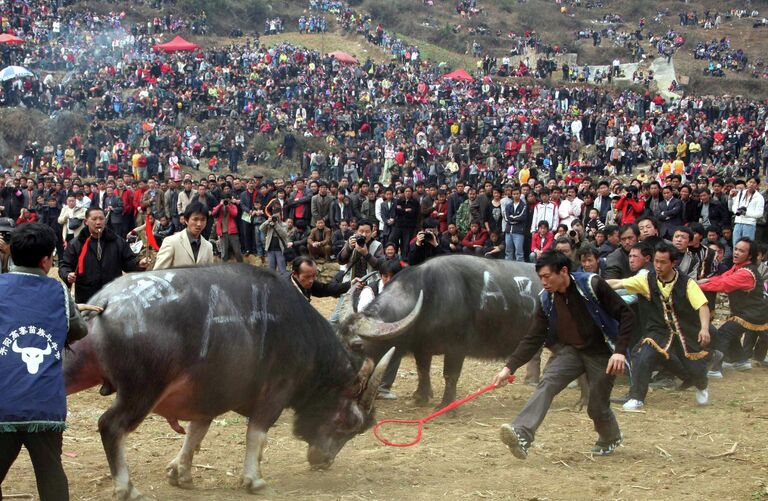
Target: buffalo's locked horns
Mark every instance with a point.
(372, 388)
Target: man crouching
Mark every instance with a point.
(588, 327)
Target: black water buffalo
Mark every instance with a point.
(454, 305)
(194, 343)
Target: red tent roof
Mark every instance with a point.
(343, 57)
(176, 45)
(460, 74)
(12, 39)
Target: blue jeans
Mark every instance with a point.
(743, 230)
(514, 247)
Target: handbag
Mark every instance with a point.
(74, 223)
(246, 217)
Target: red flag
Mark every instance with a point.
(150, 235)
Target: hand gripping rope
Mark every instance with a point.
(421, 422)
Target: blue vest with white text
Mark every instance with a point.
(34, 321)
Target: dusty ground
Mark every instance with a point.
(668, 452)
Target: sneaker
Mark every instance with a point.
(605, 448)
(385, 394)
(702, 396)
(620, 400)
(633, 404)
(715, 375)
(517, 444)
(744, 365)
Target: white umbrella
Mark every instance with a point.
(12, 72)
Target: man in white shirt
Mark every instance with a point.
(570, 208)
(545, 210)
(748, 205)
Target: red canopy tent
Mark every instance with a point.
(175, 45)
(343, 57)
(460, 74)
(10, 39)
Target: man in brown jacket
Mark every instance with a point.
(319, 241)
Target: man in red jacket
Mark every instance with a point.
(474, 241)
(226, 228)
(630, 206)
(541, 241)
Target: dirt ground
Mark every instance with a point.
(672, 450)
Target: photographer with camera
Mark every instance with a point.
(361, 254)
(427, 244)
(276, 240)
(630, 205)
(747, 204)
(226, 229)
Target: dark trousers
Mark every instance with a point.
(402, 238)
(645, 359)
(728, 341)
(391, 373)
(45, 451)
(756, 345)
(567, 364)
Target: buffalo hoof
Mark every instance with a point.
(255, 485)
(421, 398)
(128, 493)
(179, 476)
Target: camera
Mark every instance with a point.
(6, 236)
(274, 218)
(226, 201)
(360, 240)
(741, 211)
(572, 234)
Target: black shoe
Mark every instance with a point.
(517, 444)
(716, 361)
(604, 448)
(620, 400)
(663, 383)
(684, 385)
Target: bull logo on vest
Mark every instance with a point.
(32, 356)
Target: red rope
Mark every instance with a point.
(420, 422)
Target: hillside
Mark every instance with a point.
(444, 34)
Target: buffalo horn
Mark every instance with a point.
(372, 388)
(383, 331)
(90, 307)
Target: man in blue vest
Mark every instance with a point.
(37, 321)
(588, 326)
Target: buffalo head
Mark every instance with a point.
(31, 356)
(365, 326)
(329, 423)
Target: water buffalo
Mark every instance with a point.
(454, 305)
(194, 343)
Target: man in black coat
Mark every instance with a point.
(304, 277)
(406, 219)
(670, 213)
(710, 211)
(105, 256)
(455, 201)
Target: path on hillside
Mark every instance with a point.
(664, 73)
